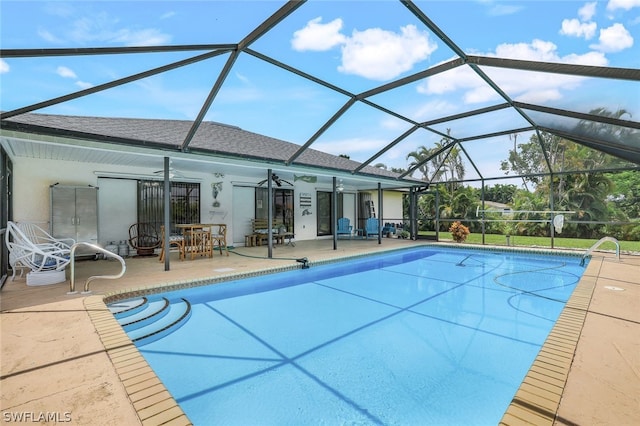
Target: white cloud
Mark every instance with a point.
(613, 39)
(167, 15)
(374, 53)
(317, 36)
(587, 12)
(524, 86)
(4, 67)
(622, 4)
(66, 72)
(102, 28)
(47, 36)
(381, 55)
(575, 28)
(146, 37)
(83, 84)
(351, 146)
(502, 10)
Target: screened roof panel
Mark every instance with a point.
(255, 95)
(568, 156)
(360, 132)
(338, 43)
(409, 148)
(52, 77)
(446, 93)
(489, 153)
(575, 93)
(483, 124)
(497, 21)
(298, 71)
(620, 141)
(145, 98)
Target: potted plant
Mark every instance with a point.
(459, 232)
(404, 234)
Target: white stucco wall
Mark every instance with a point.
(31, 182)
(33, 177)
(392, 206)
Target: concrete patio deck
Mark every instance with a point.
(62, 360)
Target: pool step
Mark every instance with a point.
(153, 311)
(127, 307)
(146, 321)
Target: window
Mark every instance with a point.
(184, 202)
(325, 211)
(282, 206)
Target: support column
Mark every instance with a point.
(167, 212)
(334, 214)
(379, 213)
(270, 213)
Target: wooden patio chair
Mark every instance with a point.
(219, 238)
(174, 241)
(144, 238)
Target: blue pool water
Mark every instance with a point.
(416, 337)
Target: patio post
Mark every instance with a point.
(166, 197)
(270, 212)
(379, 213)
(334, 214)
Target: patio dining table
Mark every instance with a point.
(197, 238)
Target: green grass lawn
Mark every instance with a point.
(559, 242)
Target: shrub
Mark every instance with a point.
(459, 232)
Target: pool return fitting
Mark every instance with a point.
(304, 261)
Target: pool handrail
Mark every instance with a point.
(597, 244)
(72, 284)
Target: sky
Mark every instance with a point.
(355, 45)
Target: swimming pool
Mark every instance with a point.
(422, 336)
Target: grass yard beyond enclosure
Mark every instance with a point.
(559, 242)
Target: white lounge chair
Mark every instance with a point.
(32, 247)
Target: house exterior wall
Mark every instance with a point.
(33, 177)
(392, 206)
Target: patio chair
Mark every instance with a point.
(372, 227)
(344, 227)
(144, 238)
(44, 255)
(38, 235)
(219, 238)
(174, 241)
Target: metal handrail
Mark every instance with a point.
(72, 284)
(597, 244)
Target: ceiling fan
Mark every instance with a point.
(173, 173)
(276, 179)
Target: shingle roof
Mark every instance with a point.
(211, 137)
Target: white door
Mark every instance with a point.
(243, 212)
(117, 204)
(349, 208)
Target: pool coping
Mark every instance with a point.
(536, 401)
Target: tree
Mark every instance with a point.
(419, 156)
(500, 193)
(626, 192)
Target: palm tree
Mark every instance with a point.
(419, 156)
